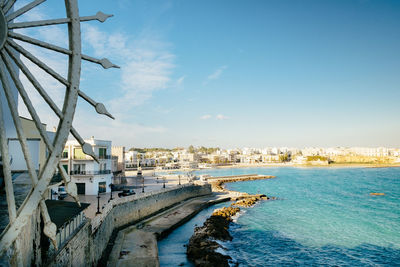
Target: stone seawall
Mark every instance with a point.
(87, 246)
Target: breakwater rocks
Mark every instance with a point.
(202, 246)
(249, 201)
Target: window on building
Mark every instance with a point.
(102, 168)
(65, 154)
(102, 152)
(102, 187)
(79, 168)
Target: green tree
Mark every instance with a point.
(191, 149)
(284, 157)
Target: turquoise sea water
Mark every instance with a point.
(172, 250)
(323, 216)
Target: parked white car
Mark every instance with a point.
(62, 193)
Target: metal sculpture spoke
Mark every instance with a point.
(87, 149)
(100, 16)
(10, 65)
(8, 6)
(24, 9)
(38, 62)
(50, 228)
(105, 63)
(70, 188)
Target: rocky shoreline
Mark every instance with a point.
(203, 244)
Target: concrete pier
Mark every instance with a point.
(138, 243)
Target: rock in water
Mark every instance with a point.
(201, 248)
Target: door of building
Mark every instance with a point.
(81, 188)
(102, 187)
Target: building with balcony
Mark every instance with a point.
(90, 177)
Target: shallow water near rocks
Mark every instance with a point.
(324, 216)
(172, 250)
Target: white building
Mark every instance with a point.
(90, 177)
(37, 148)
(131, 159)
(11, 134)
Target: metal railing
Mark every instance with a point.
(90, 172)
(86, 157)
(82, 157)
(68, 228)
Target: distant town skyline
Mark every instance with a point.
(235, 73)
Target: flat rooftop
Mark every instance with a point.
(63, 211)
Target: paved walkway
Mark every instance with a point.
(151, 183)
(138, 243)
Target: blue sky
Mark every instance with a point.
(240, 73)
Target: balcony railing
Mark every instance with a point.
(90, 172)
(104, 156)
(86, 157)
(82, 157)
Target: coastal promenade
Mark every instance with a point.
(138, 243)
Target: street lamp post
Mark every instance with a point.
(164, 182)
(111, 187)
(179, 176)
(142, 184)
(98, 203)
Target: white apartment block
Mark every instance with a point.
(133, 158)
(90, 177)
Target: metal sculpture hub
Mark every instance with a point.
(3, 29)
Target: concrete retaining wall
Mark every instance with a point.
(87, 246)
(25, 250)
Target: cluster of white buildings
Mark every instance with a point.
(352, 151)
(182, 158)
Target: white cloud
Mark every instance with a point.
(180, 81)
(146, 64)
(216, 74)
(221, 117)
(146, 67)
(217, 117)
(205, 117)
(119, 131)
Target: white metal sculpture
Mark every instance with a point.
(10, 52)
